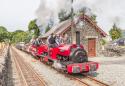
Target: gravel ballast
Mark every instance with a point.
(111, 70)
(51, 76)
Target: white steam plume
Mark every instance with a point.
(107, 11)
(50, 8)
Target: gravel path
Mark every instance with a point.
(51, 76)
(111, 70)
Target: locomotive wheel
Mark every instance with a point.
(78, 55)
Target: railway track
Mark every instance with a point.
(26, 73)
(89, 81)
(85, 80)
(97, 81)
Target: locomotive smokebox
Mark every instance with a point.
(78, 38)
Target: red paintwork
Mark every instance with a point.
(84, 67)
(53, 53)
(63, 50)
(41, 49)
(32, 50)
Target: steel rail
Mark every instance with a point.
(83, 82)
(92, 81)
(29, 76)
(96, 81)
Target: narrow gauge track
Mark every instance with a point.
(84, 81)
(97, 81)
(89, 81)
(28, 76)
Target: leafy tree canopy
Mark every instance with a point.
(14, 37)
(2, 29)
(64, 15)
(115, 32)
(3, 34)
(93, 17)
(33, 27)
(85, 10)
(103, 41)
(19, 36)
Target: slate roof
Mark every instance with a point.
(65, 25)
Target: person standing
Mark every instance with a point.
(51, 40)
(58, 39)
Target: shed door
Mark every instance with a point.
(91, 47)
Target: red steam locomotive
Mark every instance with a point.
(71, 58)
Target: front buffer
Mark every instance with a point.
(82, 67)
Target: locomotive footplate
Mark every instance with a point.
(82, 67)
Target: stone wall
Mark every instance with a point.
(88, 31)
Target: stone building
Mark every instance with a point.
(90, 34)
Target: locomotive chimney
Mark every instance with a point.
(78, 38)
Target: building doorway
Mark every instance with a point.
(92, 47)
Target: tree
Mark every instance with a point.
(85, 10)
(13, 37)
(93, 17)
(19, 36)
(29, 37)
(2, 28)
(64, 15)
(82, 11)
(17, 31)
(103, 41)
(3, 34)
(115, 32)
(33, 27)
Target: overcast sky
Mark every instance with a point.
(108, 11)
(16, 14)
